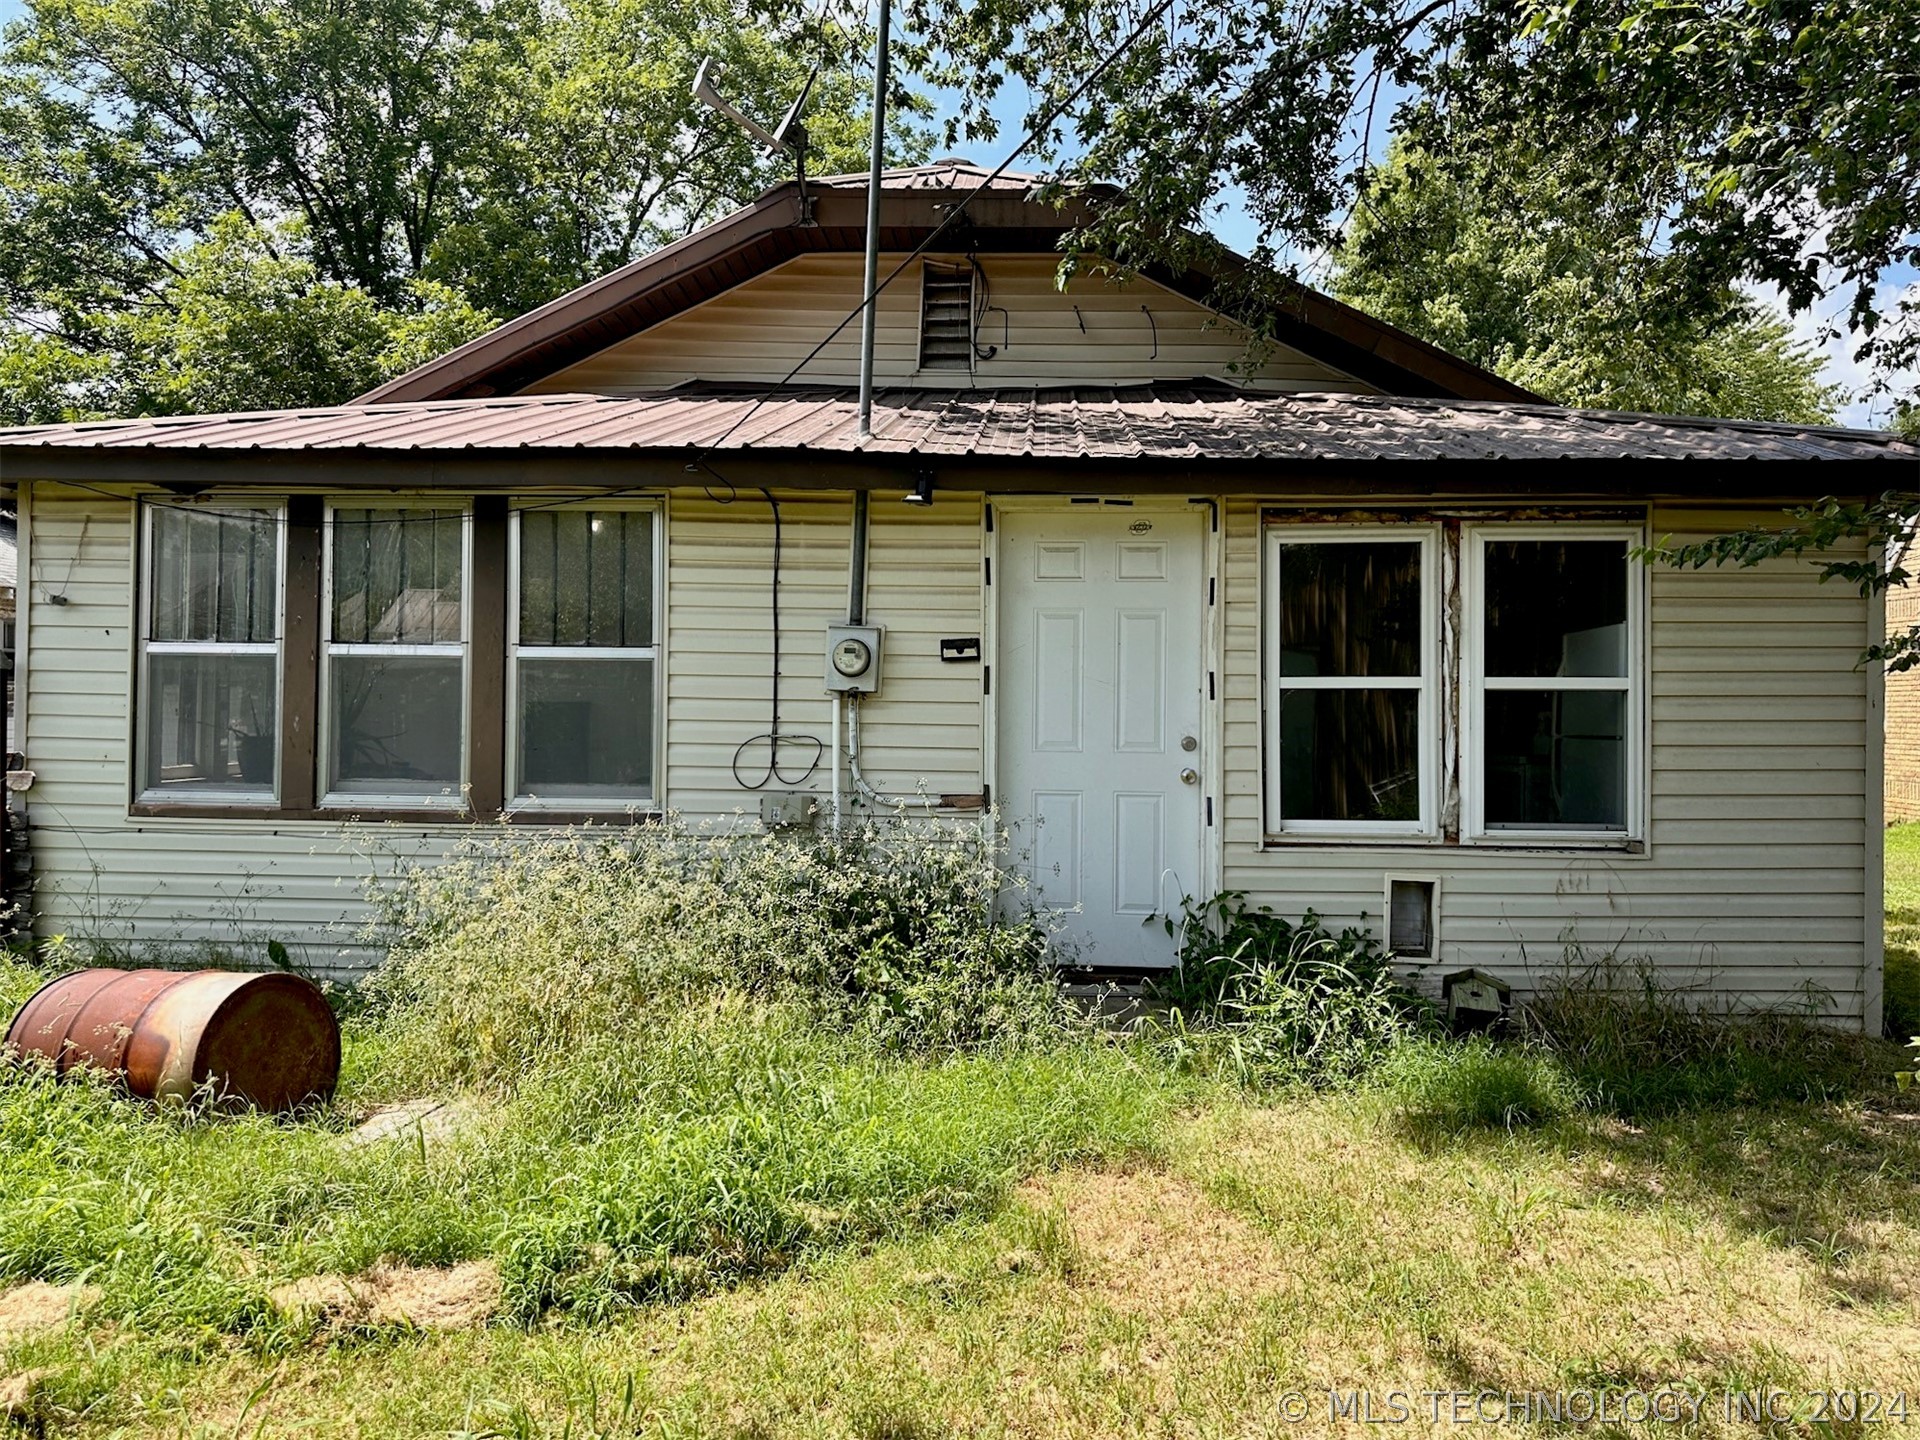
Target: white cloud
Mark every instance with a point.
(1824, 327)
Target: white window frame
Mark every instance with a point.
(146, 790)
(517, 798)
(1427, 745)
(1474, 685)
(330, 798)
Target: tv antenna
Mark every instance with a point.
(788, 137)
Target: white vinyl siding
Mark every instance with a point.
(1094, 333)
(150, 884)
(1751, 882)
(920, 734)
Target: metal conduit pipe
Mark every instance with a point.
(867, 792)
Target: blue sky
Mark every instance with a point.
(1238, 230)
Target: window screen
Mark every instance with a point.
(585, 657)
(210, 700)
(1351, 667)
(396, 671)
(1554, 731)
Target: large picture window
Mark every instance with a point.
(1350, 671)
(210, 655)
(395, 675)
(1551, 705)
(584, 659)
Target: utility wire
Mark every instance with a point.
(700, 460)
(954, 213)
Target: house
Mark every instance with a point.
(9, 579)
(1358, 627)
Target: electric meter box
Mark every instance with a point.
(853, 659)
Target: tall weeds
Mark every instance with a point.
(501, 957)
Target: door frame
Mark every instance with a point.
(1211, 761)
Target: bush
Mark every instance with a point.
(894, 932)
(1637, 1048)
(1476, 1084)
(1267, 1001)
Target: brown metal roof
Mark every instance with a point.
(1083, 423)
(914, 203)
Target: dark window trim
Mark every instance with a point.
(303, 591)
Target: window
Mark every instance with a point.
(1552, 708)
(583, 668)
(946, 316)
(1350, 670)
(210, 655)
(394, 682)
(1510, 714)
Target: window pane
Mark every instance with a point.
(1556, 758)
(1350, 609)
(211, 723)
(1350, 755)
(1556, 607)
(396, 577)
(586, 728)
(395, 724)
(215, 576)
(586, 577)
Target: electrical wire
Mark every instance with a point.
(953, 213)
(773, 736)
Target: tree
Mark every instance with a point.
(1766, 142)
(398, 166)
(1553, 306)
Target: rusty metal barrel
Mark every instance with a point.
(266, 1040)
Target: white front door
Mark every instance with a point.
(1102, 679)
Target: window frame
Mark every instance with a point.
(145, 790)
(1475, 536)
(330, 798)
(1428, 745)
(518, 801)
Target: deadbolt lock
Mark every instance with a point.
(1189, 743)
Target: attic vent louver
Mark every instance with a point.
(946, 317)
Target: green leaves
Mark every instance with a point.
(217, 203)
(1556, 291)
(1722, 145)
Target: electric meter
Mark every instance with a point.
(853, 659)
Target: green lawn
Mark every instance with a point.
(725, 1217)
(1262, 1251)
(1903, 931)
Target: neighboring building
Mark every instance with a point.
(1358, 630)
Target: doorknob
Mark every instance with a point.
(1189, 776)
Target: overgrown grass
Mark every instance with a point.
(1263, 1001)
(769, 1146)
(1633, 1048)
(1902, 996)
(684, 1060)
(1451, 1087)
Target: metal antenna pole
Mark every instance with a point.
(868, 315)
